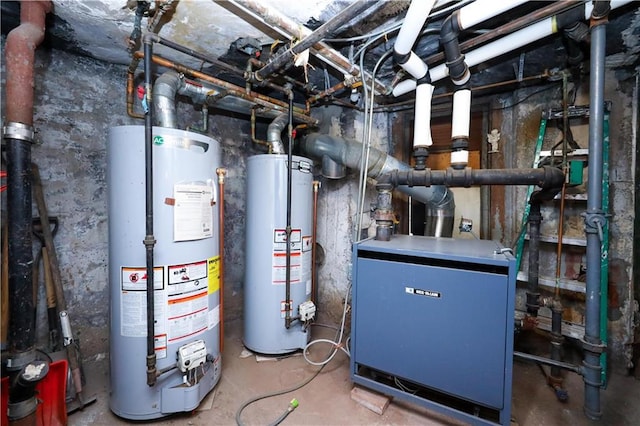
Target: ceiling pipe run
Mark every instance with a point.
(291, 29)
(348, 152)
(506, 44)
(404, 56)
(286, 57)
(19, 136)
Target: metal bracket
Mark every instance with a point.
(594, 221)
(597, 348)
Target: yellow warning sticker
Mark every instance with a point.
(214, 274)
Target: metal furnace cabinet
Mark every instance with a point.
(433, 322)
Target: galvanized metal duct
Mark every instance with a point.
(164, 96)
(439, 199)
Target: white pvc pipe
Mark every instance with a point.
(417, 15)
(481, 10)
(415, 66)
(461, 114)
(422, 119)
(499, 47)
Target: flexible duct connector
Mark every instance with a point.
(348, 152)
(274, 132)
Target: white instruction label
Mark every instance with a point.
(193, 212)
(187, 300)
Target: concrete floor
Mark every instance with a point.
(326, 400)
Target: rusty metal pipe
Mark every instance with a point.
(130, 91)
(290, 29)
(19, 135)
(233, 90)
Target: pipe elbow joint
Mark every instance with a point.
(600, 10)
(149, 37)
(401, 58)
(458, 71)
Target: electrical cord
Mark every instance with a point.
(298, 386)
(336, 343)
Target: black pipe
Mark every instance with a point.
(149, 240)
(287, 303)
(458, 69)
(350, 12)
(22, 330)
(556, 340)
(533, 291)
(546, 177)
(542, 360)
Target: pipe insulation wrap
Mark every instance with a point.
(422, 122)
(415, 66)
(416, 16)
(461, 113)
(499, 47)
(481, 10)
(460, 157)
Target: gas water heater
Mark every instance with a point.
(186, 271)
(265, 306)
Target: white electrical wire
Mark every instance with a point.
(337, 344)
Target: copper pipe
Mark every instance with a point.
(253, 132)
(130, 95)
(560, 233)
(221, 172)
(330, 91)
(314, 284)
(233, 90)
(20, 56)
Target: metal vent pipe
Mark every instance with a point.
(348, 152)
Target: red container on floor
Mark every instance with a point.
(51, 393)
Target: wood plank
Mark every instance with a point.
(374, 401)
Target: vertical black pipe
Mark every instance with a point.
(533, 292)
(594, 220)
(22, 319)
(149, 240)
(287, 319)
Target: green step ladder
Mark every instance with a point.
(582, 112)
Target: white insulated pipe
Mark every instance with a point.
(481, 10)
(501, 46)
(416, 16)
(415, 66)
(461, 114)
(422, 119)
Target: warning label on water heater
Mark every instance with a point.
(133, 305)
(279, 257)
(187, 300)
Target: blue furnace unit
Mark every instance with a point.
(432, 324)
